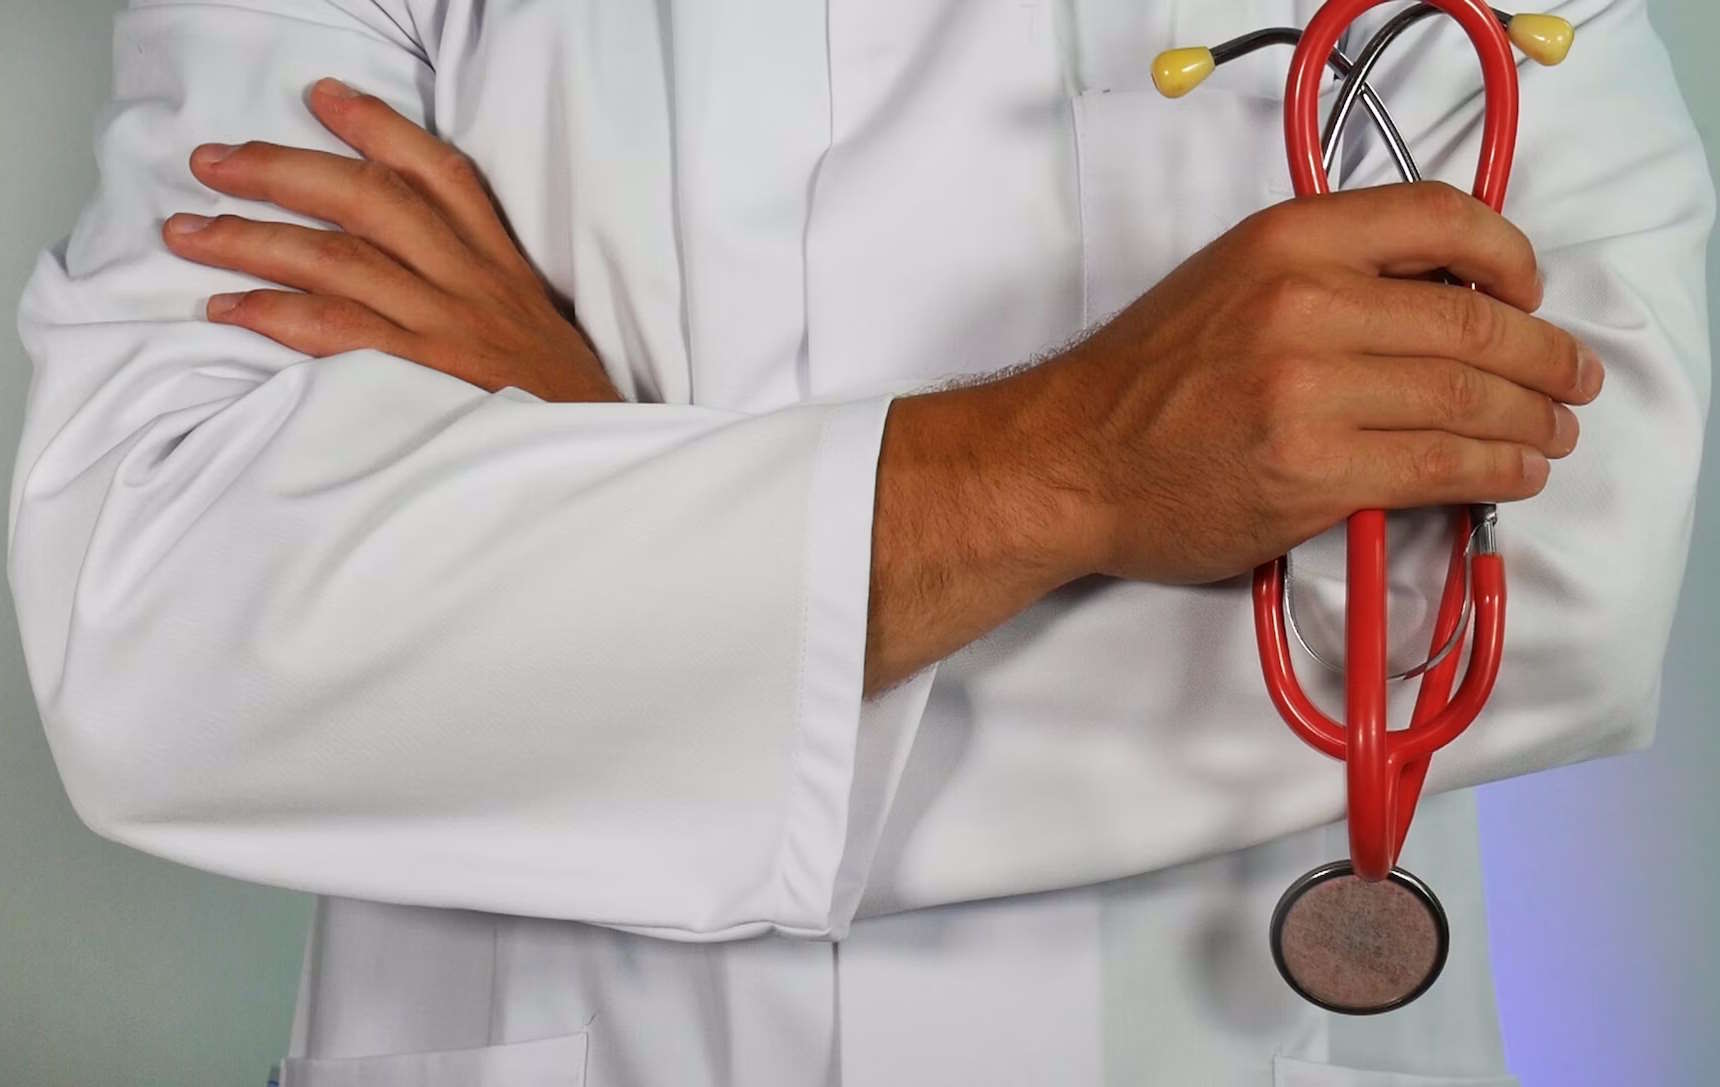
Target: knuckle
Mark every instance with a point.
(1438, 461)
(1464, 394)
(458, 168)
(258, 305)
(1445, 204)
(338, 247)
(377, 176)
(250, 152)
(1476, 321)
(221, 227)
(336, 313)
(382, 185)
(1291, 298)
(340, 316)
(248, 306)
(1269, 230)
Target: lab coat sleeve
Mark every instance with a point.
(354, 626)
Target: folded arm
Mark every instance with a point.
(356, 625)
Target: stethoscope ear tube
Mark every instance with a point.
(1499, 76)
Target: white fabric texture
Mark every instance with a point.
(271, 603)
(590, 673)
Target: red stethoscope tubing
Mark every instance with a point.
(1385, 769)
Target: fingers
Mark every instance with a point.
(365, 198)
(324, 261)
(317, 325)
(1388, 233)
(1445, 395)
(1408, 469)
(445, 175)
(1408, 230)
(1402, 317)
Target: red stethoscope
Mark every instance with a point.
(1363, 936)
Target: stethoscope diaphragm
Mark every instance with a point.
(1359, 947)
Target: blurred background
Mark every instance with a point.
(1603, 880)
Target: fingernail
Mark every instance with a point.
(1540, 286)
(1535, 467)
(185, 222)
(1564, 429)
(214, 152)
(1590, 372)
(332, 86)
(221, 303)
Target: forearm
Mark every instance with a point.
(976, 517)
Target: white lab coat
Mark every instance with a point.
(559, 704)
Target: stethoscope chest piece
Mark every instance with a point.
(1359, 947)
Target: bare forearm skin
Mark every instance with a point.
(976, 517)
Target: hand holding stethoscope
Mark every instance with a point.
(1363, 936)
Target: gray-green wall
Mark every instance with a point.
(115, 968)
(1603, 879)
(119, 969)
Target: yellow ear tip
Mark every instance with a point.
(1545, 39)
(1179, 71)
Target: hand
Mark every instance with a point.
(422, 267)
(1283, 378)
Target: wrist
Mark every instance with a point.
(976, 518)
(1057, 429)
(1032, 443)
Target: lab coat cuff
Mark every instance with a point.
(849, 751)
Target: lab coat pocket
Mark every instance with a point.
(1289, 1072)
(1160, 178)
(548, 1062)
